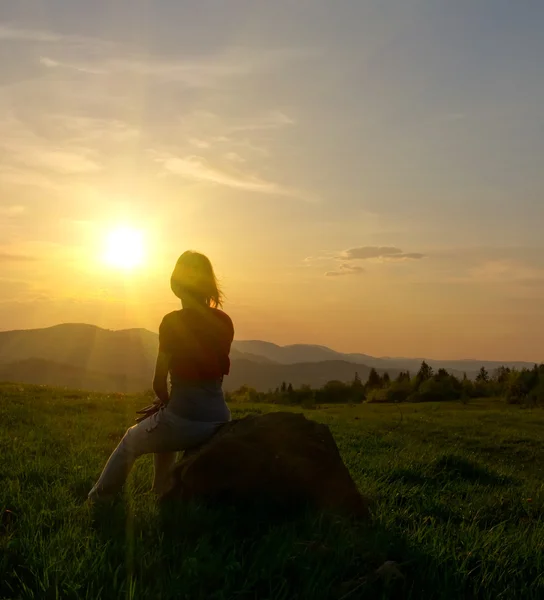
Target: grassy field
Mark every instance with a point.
(457, 501)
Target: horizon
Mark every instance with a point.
(361, 175)
(325, 347)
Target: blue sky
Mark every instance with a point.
(276, 136)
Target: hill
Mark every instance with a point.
(304, 353)
(264, 377)
(43, 372)
(86, 356)
(128, 353)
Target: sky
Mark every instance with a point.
(363, 175)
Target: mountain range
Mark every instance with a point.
(88, 357)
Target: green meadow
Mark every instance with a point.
(457, 496)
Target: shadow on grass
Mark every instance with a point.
(446, 469)
(265, 551)
(454, 468)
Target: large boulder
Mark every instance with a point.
(280, 458)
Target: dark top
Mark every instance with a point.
(198, 341)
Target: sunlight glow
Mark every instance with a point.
(124, 248)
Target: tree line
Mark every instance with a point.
(525, 386)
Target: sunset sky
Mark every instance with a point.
(363, 175)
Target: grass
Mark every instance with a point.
(457, 501)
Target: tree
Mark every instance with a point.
(374, 380)
(306, 396)
(386, 380)
(425, 372)
(438, 389)
(245, 393)
(358, 389)
(283, 387)
(483, 376)
(442, 374)
(334, 392)
(290, 389)
(403, 376)
(502, 374)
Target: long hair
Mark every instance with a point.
(194, 278)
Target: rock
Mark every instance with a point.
(281, 458)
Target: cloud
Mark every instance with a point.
(203, 72)
(26, 150)
(10, 32)
(67, 163)
(274, 119)
(50, 63)
(196, 168)
(233, 135)
(17, 34)
(200, 144)
(12, 211)
(48, 131)
(505, 271)
(379, 252)
(88, 130)
(345, 269)
(97, 56)
(234, 157)
(8, 257)
(28, 177)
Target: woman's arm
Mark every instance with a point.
(160, 380)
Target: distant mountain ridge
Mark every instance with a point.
(89, 357)
(312, 353)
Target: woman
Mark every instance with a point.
(194, 348)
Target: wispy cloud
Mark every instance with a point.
(58, 123)
(379, 252)
(504, 271)
(232, 134)
(102, 57)
(55, 64)
(13, 210)
(345, 269)
(11, 32)
(234, 157)
(48, 62)
(88, 130)
(274, 119)
(58, 145)
(200, 144)
(346, 258)
(8, 257)
(197, 169)
(29, 177)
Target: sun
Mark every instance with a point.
(124, 248)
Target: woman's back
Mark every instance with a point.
(198, 341)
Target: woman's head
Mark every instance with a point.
(194, 280)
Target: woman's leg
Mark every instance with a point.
(161, 433)
(163, 464)
(121, 461)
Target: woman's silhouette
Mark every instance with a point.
(194, 347)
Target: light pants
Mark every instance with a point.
(163, 434)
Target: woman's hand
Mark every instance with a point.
(150, 410)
